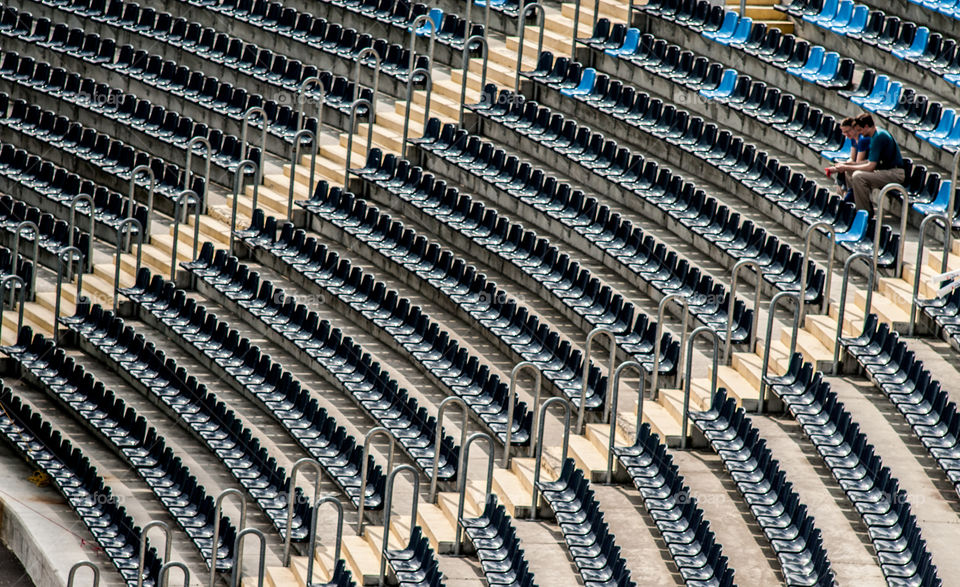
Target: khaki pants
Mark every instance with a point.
(864, 182)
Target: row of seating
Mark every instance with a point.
(853, 462)
(29, 173)
(378, 393)
(701, 214)
(130, 436)
(945, 7)
(495, 541)
(894, 369)
(53, 235)
(679, 520)
(415, 565)
(735, 156)
(82, 488)
(522, 254)
(588, 538)
(762, 483)
(945, 313)
(264, 381)
(147, 369)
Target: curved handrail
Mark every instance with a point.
(217, 516)
(538, 459)
(306, 83)
(72, 225)
(706, 330)
(167, 545)
(338, 537)
(521, 16)
(422, 19)
(76, 567)
(945, 219)
(29, 225)
(512, 400)
(165, 570)
(441, 412)
(243, 167)
(465, 67)
(388, 504)
(371, 118)
(904, 215)
(206, 170)
(684, 301)
(182, 200)
(378, 431)
(767, 343)
(153, 187)
(732, 305)
(3, 294)
(463, 480)
(843, 301)
(376, 71)
(807, 237)
(615, 394)
(253, 110)
(71, 254)
(295, 158)
(238, 556)
(586, 369)
(126, 227)
(291, 494)
(426, 110)
(951, 211)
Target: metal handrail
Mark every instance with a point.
(423, 18)
(463, 481)
(165, 570)
(615, 394)
(167, 545)
(951, 213)
(765, 365)
(217, 516)
(206, 173)
(376, 69)
(465, 66)
(807, 237)
(521, 16)
(295, 158)
(71, 253)
(684, 301)
(576, 25)
(72, 225)
(686, 379)
(843, 300)
(338, 537)
(312, 80)
(182, 199)
(238, 556)
(153, 187)
(29, 225)
(76, 567)
(353, 120)
(538, 459)
(379, 430)
(586, 368)
(512, 400)
(3, 295)
(247, 115)
(426, 108)
(945, 219)
(731, 306)
(904, 213)
(242, 167)
(291, 494)
(125, 228)
(441, 412)
(387, 514)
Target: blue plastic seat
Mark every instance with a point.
(630, 42)
(856, 24)
(436, 16)
(827, 13)
(943, 128)
(858, 229)
(492, 2)
(939, 203)
(740, 35)
(890, 99)
(814, 61)
(727, 84)
(951, 140)
(878, 91)
(585, 86)
(726, 29)
(842, 17)
(917, 47)
(840, 154)
(828, 69)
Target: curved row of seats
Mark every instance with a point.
(168, 385)
(495, 541)
(82, 488)
(415, 565)
(54, 234)
(521, 254)
(587, 535)
(868, 484)
(774, 504)
(240, 362)
(945, 313)
(674, 511)
(735, 156)
(894, 369)
(379, 394)
(130, 436)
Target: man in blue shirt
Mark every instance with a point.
(883, 165)
(858, 152)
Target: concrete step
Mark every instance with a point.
(672, 399)
(824, 329)
(437, 527)
(738, 387)
(599, 434)
(809, 346)
(362, 561)
(759, 13)
(749, 365)
(898, 291)
(927, 289)
(886, 310)
(662, 422)
(511, 493)
(588, 457)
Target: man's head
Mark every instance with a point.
(864, 124)
(848, 128)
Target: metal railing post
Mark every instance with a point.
(218, 516)
(512, 400)
(891, 187)
(71, 254)
(291, 494)
(26, 224)
(238, 556)
(684, 302)
(767, 343)
(76, 567)
(465, 66)
(378, 431)
(576, 25)
(538, 459)
(315, 81)
(388, 504)
(182, 200)
(422, 19)
(165, 570)
(731, 306)
(615, 394)
(951, 212)
(807, 238)
(167, 544)
(3, 295)
(242, 168)
(843, 300)
(376, 71)
(353, 119)
(153, 187)
(521, 16)
(70, 228)
(463, 481)
(441, 412)
(944, 219)
(586, 368)
(426, 112)
(250, 113)
(125, 228)
(686, 380)
(295, 158)
(206, 171)
(338, 537)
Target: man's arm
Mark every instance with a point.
(858, 166)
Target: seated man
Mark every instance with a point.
(883, 165)
(858, 153)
